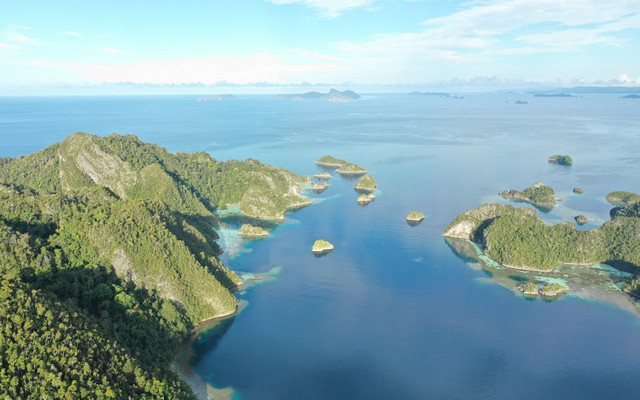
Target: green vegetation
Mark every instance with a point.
(517, 238)
(560, 159)
(329, 161)
(322, 176)
(351, 169)
(623, 198)
(108, 260)
(320, 187)
(581, 219)
(366, 183)
(415, 216)
(553, 289)
(528, 289)
(248, 230)
(537, 194)
(321, 246)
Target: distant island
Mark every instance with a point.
(322, 176)
(631, 96)
(521, 102)
(578, 190)
(218, 97)
(553, 95)
(321, 247)
(320, 187)
(333, 96)
(366, 184)
(581, 219)
(537, 194)
(560, 159)
(365, 198)
(415, 217)
(251, 231)
(343, 167)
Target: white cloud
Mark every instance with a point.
(328, 8)
(314, 55)
(624, 78)
(237, 70)
(5, 46)
(22, 38)
(113, 50)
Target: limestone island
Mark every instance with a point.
(252, 231)
(581, 219)
(528, 289)
(537, 194)
(631, 96)
(560, 159)
(331, 162)
(521, 102)
(324, 176)
(366, 198)
(623, 198)
(333, 96)
(321, 247)
(553, 290)
(366, 184)
(320, 187)
(578, 190)
(351, 169)
(415, 217)
(518, 238)
(218, 97)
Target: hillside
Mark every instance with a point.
(118, 233)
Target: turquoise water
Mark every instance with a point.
(392, 312)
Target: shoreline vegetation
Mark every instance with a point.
(415, 217)
(537, 194)
(321, 247)
(343, 167)
(108, 241)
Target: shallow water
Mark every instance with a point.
(393, 312)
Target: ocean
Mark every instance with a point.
(396, 311)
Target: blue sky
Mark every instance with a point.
(360, 42)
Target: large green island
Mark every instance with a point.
(108, 261)
(343, 167)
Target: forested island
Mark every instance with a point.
(108, 261)
(343, 167)
(537, 194)
(366, 184)
(560, 159)
(517, 238)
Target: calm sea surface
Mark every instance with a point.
(392, 312)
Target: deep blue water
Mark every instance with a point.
(392, 312)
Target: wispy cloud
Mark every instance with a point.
(491, 28)
(329, 8)
(5, 46)
(113, 50)
(314, 55)
(237, 70)
(14, 37)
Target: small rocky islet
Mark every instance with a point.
(366, 183)
(321, 246)
(537, 194)
(560, 159)
(415, 217)
(252, 231)
(548, 290)
(319, 187)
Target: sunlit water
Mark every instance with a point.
(393, 312)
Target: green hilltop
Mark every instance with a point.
(537, 194)
(112, 238)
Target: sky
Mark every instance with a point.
(274, 44)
